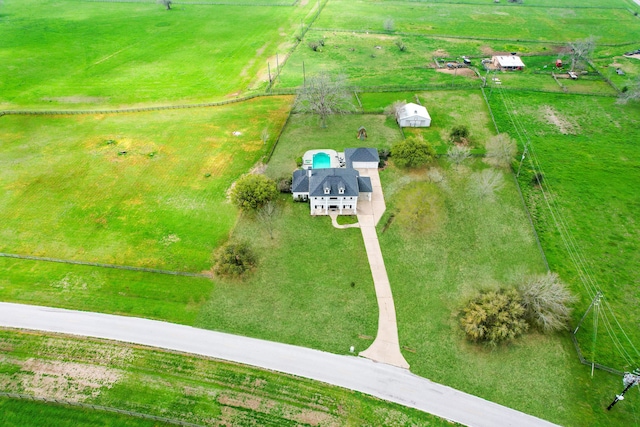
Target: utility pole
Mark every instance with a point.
(277, 67)
(629, 380)
(269, 68)
(304, 76)
(524, 154)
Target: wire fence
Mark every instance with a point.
(98, 264)
(524, 203)
(99, 408)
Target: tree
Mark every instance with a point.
(630, 93)
(166, 3)
(324, 96)
(234, 259)
(494, 317)
(412, 152)
(488, 182)
(546, 301)
(459, 133)
(388, 24)
(458, 154)
(501, 150)
(267, 215)
(581, 51)
(264, 136)
(252, 191)
(392, 110)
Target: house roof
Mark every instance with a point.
(360, 155)
(316, 181)
(411, 110)
(364, 184)
(510, 61)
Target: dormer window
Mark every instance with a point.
(341, 189)
(327, 188)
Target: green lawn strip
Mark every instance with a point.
(184, 387)
(153, 197)
(587, 151)
(156, 296)
(77, 54)
(26, 413)
(495, 21)
(301, 291)
(467, 244)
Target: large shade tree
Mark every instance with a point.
(324, 95)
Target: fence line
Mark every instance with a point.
(524, 203)
(98, 264)
(520, 5)
(99, 408)
(275, 144)
(205, 3)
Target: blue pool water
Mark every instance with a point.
(321, 161)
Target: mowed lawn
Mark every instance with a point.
(140, 189)
(77, 54)
(487, 21)
(587, 149)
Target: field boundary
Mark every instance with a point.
(102, 265)
(202, 3)
(98, 408)
(519, 5)
(524, 203)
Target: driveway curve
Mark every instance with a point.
(359, 374)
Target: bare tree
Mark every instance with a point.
(267, 215)
(458, 154)
(581, 51)
(487, 182)
(631, 93)
(546, 301)
(166, 3)
(324, 96)
(501, 150)
(388, 24)
(392, 110)
(265, 135)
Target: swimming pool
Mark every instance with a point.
(321, 161)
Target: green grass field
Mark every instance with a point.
(177, 386)
(489, 22)
(71, 194)
(595, 194)
(73, 54)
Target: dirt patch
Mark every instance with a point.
(635, 55)
(466, 72)
(487, 50)
(77, 99)
(563, 125)
(441, 53)
(315, 418)
(65, 380)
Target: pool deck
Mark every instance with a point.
(334, 156)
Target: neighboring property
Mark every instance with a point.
(336, 189)
(413, 115)
(508, 62)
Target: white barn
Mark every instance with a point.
(413, 115)
(509, 62)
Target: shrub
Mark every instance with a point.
(412, 152)
(501, 150)
(494, 317)
(252, 191)
(537, 178)
(314, 46)
(459, 133)
(284, 184)
(234, 259)
(545, 300)
(299, 161)
(401, 45)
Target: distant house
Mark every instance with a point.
(508, 62)
(413, 115)
(336, 189)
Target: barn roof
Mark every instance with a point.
(411, 110)
(510, 61)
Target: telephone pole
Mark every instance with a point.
(629, 380)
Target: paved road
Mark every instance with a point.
(380, 380)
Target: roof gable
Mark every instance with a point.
(411, 110)
(360, 155)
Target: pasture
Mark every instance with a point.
(585, 149)
(489, 21)
(139, 189)
(74, 54)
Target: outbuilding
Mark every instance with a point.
(413, 115)
(508, 62)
